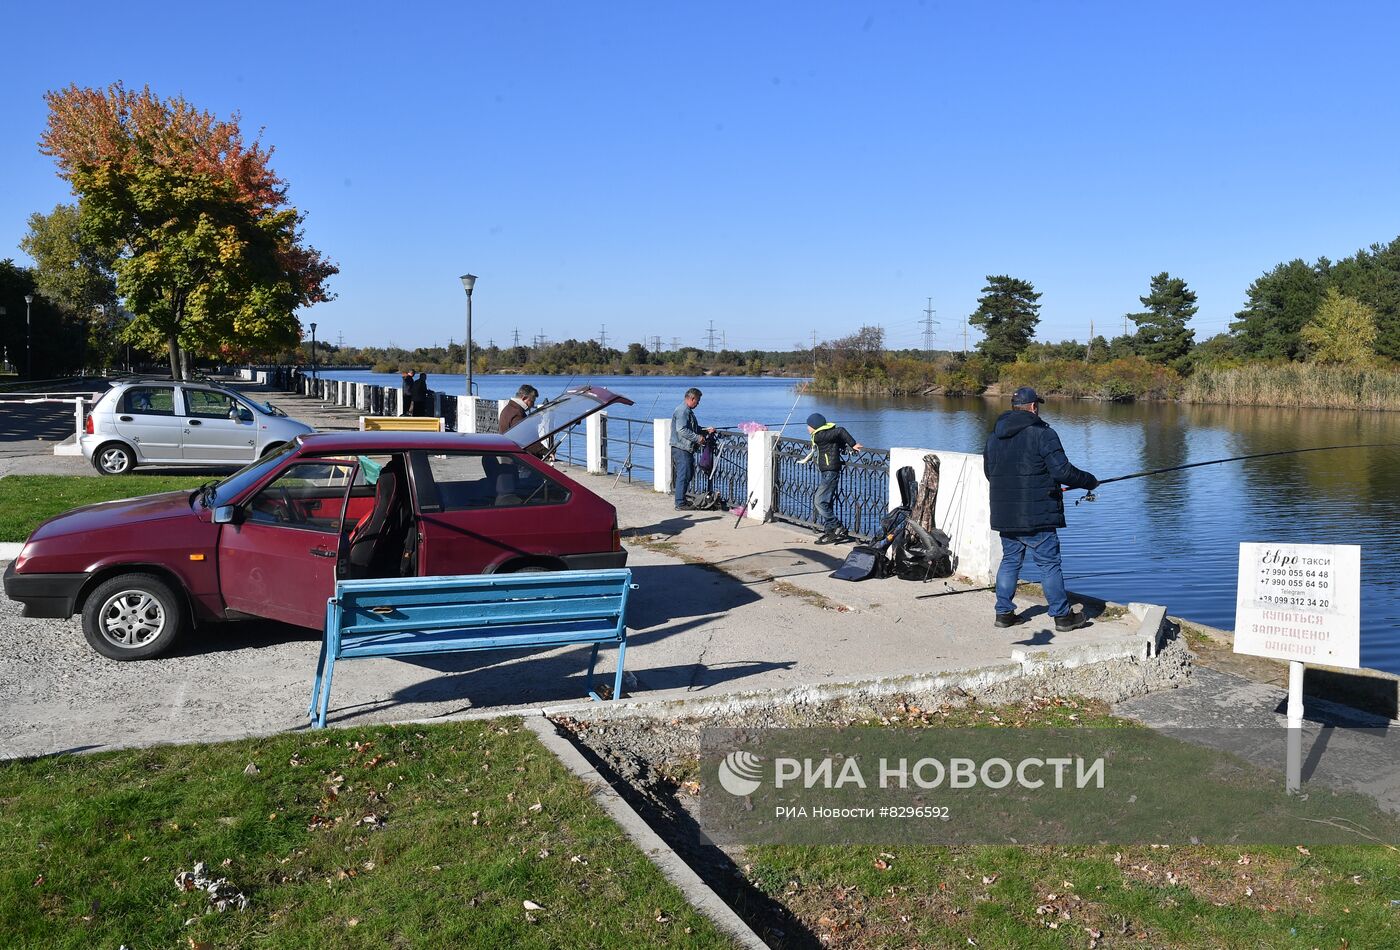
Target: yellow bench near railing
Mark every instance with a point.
(402, 424)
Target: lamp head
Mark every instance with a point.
(468, 282)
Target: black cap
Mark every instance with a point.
(1025, 396)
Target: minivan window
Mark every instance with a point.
(472, 480)
(149, 401)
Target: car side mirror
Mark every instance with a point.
(244, 414)
(228, 514)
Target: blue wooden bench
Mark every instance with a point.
(408, 616)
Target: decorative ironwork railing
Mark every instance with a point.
(862, 496)
(729, 478)
(488, 416)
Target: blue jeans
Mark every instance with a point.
(826, 500)
(683, 467)
(1045, 550)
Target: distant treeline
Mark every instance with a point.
(1325, 334)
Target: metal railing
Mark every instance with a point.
(729, 478)
(627, 445)
(862, 497)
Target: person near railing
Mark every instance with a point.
(407, 395)
(1025, 465)
(421, 406)
(829, 441)
(686, 437)
(515, 409)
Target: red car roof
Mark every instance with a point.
(389, 441)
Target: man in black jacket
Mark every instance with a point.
(828, 442)
(1025, 466)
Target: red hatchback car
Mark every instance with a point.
(270, 540)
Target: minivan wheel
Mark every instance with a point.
(133, 617)
(113, 459)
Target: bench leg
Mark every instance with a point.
(316, 684)
(325, 693)
(617, 680)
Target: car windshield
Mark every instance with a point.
(222, 492)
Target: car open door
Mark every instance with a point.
(560, 413)
(278, 559)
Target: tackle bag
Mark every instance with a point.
(705, 458)
(863, 563)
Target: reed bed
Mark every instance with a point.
(1297, 385)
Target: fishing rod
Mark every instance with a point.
(1089, 495)
(627, 465)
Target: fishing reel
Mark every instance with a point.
(1088, 496)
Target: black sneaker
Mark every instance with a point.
(826, 537)
(1008, 620)
(841, 536)
(1071, 621)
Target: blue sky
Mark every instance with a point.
(779, 168)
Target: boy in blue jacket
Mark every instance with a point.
(828, 442)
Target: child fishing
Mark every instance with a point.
(828, 442)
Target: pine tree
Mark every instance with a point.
(1007, 314)
(1162, 335)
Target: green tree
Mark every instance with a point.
(1163, 336)
(1007, 313)
(1342, 331)
(77, 276)
(210, 253)
(1372, 276)
(1278, 304)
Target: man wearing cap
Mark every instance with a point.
(1025, 466)
(686, 437)
(828, 442)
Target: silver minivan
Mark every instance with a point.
(159, 422)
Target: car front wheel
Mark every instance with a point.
(133, 617)
(113, 459)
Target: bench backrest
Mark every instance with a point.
(407, 614)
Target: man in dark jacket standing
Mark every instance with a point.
(421, 406)
(686, 437)
(1025, 466)
(408, 394)
(828, 442)
(515, 410)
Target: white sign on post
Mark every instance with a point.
(1300, 602)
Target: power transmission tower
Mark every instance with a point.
(928, 330)
(656, 344)
(517, 337)
(675, 343)
(603, 337)
(710, 337)
(964, 336)
(814, 352)
(340, 340)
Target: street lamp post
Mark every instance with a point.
(313, 351)
(28, 337)
(468, 282)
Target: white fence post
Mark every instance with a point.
(661, 455)
(963, 511)
(593, 433)
(763, 468)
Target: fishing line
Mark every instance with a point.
(1089, 495)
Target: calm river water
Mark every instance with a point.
(1169, 539)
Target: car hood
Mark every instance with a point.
(560, 413)
(110, 514)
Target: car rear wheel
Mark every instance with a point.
(113, 459)
(133, 617)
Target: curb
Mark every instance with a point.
(696, 892)
(9, 550)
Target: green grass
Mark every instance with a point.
(422, 836)
(28, 500)
(1103, 896)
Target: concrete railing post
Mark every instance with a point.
(963, 511)
(79, 415)
(763, 470)
(661, 455)
(466, 413)
(594, 426)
